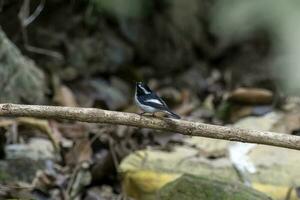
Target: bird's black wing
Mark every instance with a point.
(154, 101)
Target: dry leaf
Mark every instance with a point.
(81, 152)
(251, 96)
(65, 97)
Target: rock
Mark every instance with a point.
(265, 168)
(263, 123)
(145, 183)
(189, 187)
(20, 79)
(183, 159)
(20, 169)
(275, 166)
(36, 149)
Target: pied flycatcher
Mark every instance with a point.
(149, 102)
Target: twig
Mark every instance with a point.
(35, 14)
(190, 128)
(26, 19)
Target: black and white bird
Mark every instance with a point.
(149, 102)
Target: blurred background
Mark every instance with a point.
(233, 63)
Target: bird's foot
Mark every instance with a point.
(153, 114)
(142, 113)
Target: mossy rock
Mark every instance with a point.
(189, 187)
(21, 81)
(18, 170)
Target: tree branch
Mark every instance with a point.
(94, 115)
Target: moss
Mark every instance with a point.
(193, 187)
(20, 79)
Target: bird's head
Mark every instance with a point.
(142, 88)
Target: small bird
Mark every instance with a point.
(149, 102)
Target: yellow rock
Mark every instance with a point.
(277, 169)
(143, 184)
(276, 192)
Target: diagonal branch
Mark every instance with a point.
(94, 115)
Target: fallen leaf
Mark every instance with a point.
(81, 152)
(65, 97)
(251, 96)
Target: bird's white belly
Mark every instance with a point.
(145, 108)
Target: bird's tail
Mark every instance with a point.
(170, 113)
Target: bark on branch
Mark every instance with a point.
(165, 124)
